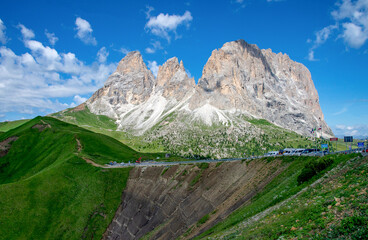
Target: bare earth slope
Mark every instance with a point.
(169, 201)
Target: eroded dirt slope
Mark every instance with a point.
(165, 202)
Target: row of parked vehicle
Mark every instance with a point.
(297, 152)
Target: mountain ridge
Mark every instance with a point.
(238, 79)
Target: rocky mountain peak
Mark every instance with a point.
(131, 84)
(132, 62)
(168, 70)
(239, 78)
(173, 80)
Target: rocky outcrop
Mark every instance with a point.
(264, 84)
(165, 202)
(173, 80)
(131, 84)
(238, 79)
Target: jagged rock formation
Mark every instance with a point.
(131, 84)
(238, 80)
(173, 81)
(168, 202)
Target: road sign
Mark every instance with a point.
(360, 144)
(334, 139)
(348, 139)
(324, 145)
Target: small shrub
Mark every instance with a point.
(218, 164)
(312, 168)
(196, 179)
(203, 219)
(203, 165)
(163, 172)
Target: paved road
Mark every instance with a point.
(154, 163)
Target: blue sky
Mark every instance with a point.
(55, 54)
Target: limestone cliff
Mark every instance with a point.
(264, 84)
(173, 80)
(131, 84)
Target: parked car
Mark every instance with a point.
(272, 154)
(289, 151)
(298, 151)
(310, 152)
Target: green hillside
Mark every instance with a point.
(334, 208)
(48, 191)
(105, 125)
(6, 126)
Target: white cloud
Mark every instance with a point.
(354, 18)
(352, 130)
(351, 20)
(343, 110)
(52, 38)
(102, 55)
(148, 11)
(124, 51)
(84, 31)
(155, 45)
(321, 37)
(163, 24)
(311, 55)
(153, 67)
(354, 35)
(150, 50)
(3, 38)
(79, 100)
(26, 33)
(41, 75)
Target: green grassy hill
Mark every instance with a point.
(48, 191)
(6, 126)
(334, 207)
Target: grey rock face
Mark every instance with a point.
(131, 83)
(264, 84)
(173, 81)
(238, 78)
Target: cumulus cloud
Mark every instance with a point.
(352, 130)
(84, 31)
(351, 21)
(79, 100)
(153, 66)
(164, 24)
(41, 75)
(51, 37)
(102, 55)
(26, 33)
(354, 18)
(3, 38)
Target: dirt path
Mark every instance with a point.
(79, 147)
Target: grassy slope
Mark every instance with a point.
(282, 187)
(49, 192)
(6, 126)
(105, 125)
(334, 209)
